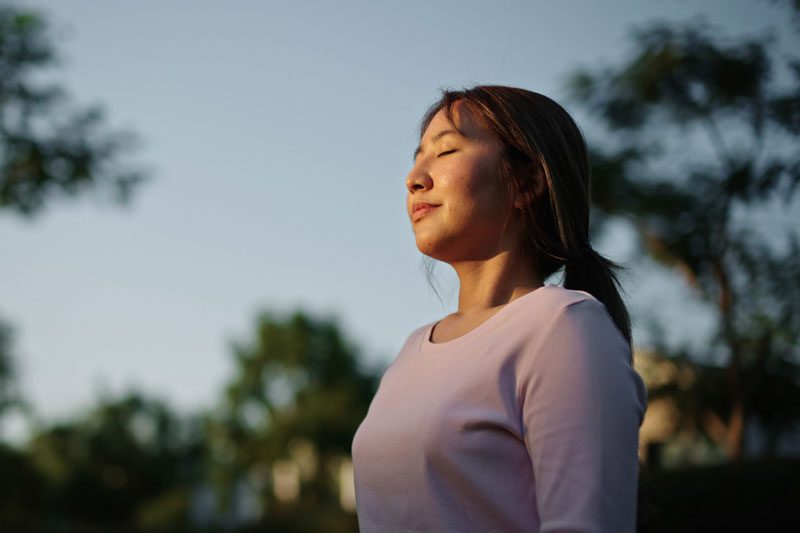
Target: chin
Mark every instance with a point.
(433, 248)
(426, 245)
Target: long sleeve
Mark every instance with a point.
(582, 404)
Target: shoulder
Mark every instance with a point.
(577, 327)
(568, 305)
(554, 305)
(555, 297)
(578, 348)
(571, 320)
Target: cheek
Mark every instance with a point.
(480, 196)
(462, 185)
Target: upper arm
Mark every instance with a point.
(582, 404)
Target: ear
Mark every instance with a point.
(532, 185)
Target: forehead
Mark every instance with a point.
(464, 121)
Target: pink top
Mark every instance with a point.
(528, 423)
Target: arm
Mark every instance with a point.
(582, 404)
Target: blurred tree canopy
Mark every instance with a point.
(700, 139)
(9, 393)
(287, 422)
(130, 461)
(48, 146)
(280, 440)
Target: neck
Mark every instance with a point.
(494, 281)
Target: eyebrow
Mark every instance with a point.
(436, 138)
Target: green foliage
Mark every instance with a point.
(128, 460)
(91, 468)
(683, 75)
(296, 400)
(130, 464)
(9, 396)
(700, 139)
(48, 146)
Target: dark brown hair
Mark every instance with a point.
(540, 138)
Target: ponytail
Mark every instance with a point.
(591, 272)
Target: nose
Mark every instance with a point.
(418, 180)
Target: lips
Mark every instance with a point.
(420, 209)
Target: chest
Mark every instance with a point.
(446, 407)
(453, 326)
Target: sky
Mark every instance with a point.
(277, 136)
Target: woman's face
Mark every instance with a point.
(457, 202)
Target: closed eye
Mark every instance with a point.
(446, 152)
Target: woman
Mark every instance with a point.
(519, 412)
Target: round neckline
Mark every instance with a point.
(426, 346)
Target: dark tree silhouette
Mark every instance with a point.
(700, 136)
(48, 146)
(9, 393)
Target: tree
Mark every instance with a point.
(130, 461)
(19, 482)
(288, 419)
(10, 396)
(49, 147)
(699, 136)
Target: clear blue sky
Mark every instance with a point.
(279, 135)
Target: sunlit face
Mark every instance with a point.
(458, 175)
